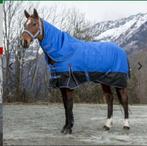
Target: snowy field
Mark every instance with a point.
(41, 125)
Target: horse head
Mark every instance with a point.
(32, 29)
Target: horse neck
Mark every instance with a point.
(52, 40)
(51, 34)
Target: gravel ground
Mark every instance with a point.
(41, 125)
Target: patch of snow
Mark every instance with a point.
(116, 32)
(127, 29)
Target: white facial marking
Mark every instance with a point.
(28, 22)
(126, 122)
(109, 123)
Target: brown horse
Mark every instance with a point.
(34, 30)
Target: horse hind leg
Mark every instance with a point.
(109, 98)
(123, 99)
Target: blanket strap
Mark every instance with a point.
(54, 73)
(72, 75)
(87, 76)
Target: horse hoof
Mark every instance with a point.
(63, 129)
(126, 127)
(68, 131)
(106, 128)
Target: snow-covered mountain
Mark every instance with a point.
(130, 32)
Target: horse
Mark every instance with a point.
(73, 61)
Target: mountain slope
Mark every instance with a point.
(130, 33)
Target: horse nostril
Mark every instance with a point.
(24, 43)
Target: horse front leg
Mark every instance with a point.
(67, 96)
(109, 98)
(123, 99)
(63, 92)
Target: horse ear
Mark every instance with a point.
(26, 14)
(35, 13)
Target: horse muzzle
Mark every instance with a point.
(24, 43)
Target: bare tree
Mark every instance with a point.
(9, 10)
(13, 20)
(76, 24)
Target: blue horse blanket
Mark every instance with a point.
(78, 61)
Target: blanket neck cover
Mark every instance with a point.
(101, 62)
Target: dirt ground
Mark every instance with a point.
(41, 125)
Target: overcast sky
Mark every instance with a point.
(102, 10)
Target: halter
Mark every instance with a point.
(37, 33)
